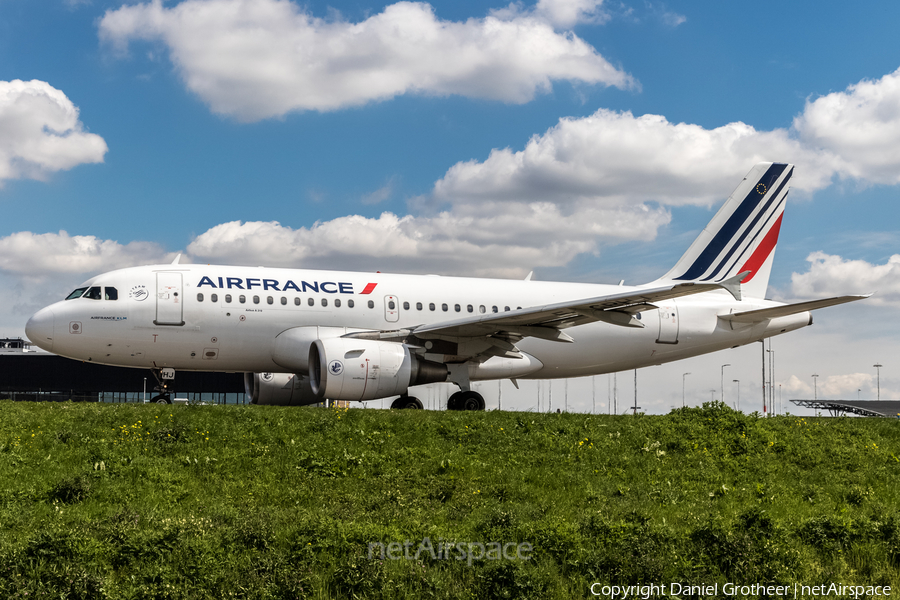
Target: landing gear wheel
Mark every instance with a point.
(465, 401)
(161, 399)
(407, 402)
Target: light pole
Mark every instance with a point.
(815, 386)
(712, 395)
(878, 369)
(738, 381)
(682, 388)
(772, 404)
(722, 395)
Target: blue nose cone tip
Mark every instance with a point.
(39, 329)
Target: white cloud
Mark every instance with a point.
(861, 125)
(40, 132)
(842, 386)
(567, 13)
(40, 256)
(562, 14)
(381, 194)
(256, 59)
(831, 275)
(616, 157)
(489, 241)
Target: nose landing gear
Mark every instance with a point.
(164, 378)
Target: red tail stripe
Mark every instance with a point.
(762, 251)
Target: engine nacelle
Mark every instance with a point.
(282, 389)
(355, 369)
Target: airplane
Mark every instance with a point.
(305, 336)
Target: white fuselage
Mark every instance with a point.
(159, 319)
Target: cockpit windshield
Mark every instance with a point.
(93, 293)
(76, 294)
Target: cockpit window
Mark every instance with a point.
(93, 293)
(111, 293)
(76, 294)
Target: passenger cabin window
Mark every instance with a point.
(506, 308)
(111, 293)
(337, 302)
(406, 306)
(283, 301)
(324, 301)
(93, 293)
(481, 309)
(296, 301)
(310, 301)
(270, 300)
(444, 307)
(228, 298)
(392, 305)
(418, 306)
(242, 299)
(76, 294)
(470, 308)
(495, 309)
(350, 303)
(255, 299)
(457, 307)
(431, 306)
(214, 297)
(199, 297)
(371, 304)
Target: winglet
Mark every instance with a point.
(733, 284)
(177, 258)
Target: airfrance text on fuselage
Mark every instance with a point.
(239, 283)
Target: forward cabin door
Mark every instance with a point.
(169, 299)
(668, 323)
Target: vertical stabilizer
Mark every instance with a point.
(742, 235)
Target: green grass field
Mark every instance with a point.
(155, 501)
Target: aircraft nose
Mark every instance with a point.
(39, 329)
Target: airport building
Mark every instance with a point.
(30, 374)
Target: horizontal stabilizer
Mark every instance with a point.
(756, 316)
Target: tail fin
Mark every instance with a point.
(742, 235)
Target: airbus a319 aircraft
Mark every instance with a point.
(302, 336)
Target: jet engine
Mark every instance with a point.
(282, 389)
(357, 369)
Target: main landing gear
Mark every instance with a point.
(462, 400)
(407, 401)
(465, 400)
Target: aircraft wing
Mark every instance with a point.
(495, 334)
(547, 321)
(757, 316)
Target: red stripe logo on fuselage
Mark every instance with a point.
(370, 287)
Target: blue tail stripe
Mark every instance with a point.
(750, 246)
(747, 231)
(727, 232)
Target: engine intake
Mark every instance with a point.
(356, 369)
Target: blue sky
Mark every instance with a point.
(205, 149)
